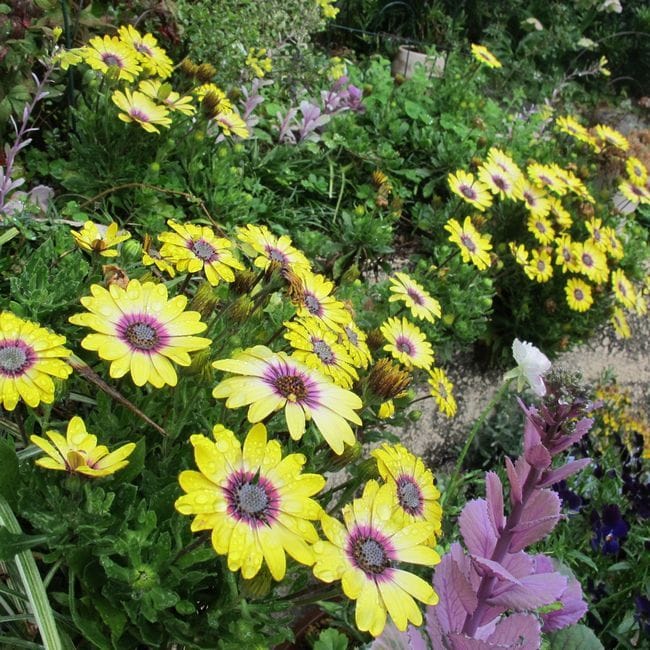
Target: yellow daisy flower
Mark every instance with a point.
(507, 165)
(152, 57)
(572, 127)
(496, 179)
(312, 298)
(544, 176)
(519, 252)
(536, 200)
(151, 255)
(623, 289)
(597, 238)
(219, 102)
(634, 193)
(566, 257)
(79, 453)
(29, 357)
(109, 55)
(484, 56)
(561, 214)
(620, 324)
(193, 248)
(232, 124)
(573, 183)
(469, 189)
(541, 228)
(137, 107)
(407, 343)
(578, 294)
(270, 381)
(256, 502)
(162, 92)
(353, 340)
(271, 252)
(607, 135)
(419, 302)
(415, 497)
(140, 331)
(67, 58)
(364, 553)
(474, 247)
(591, 262)
(636, 171)
(614, 247)
(540, 268)
(442, 392)
(95, 238)
(317, 347)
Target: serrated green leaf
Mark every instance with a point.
(331, 639)
(575, 637)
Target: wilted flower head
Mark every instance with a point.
(532, 364)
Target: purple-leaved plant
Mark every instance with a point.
(339, 98)
(491, 590)
(11, 201)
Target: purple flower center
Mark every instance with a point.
(313, 304)
(15, 358)
(252, 498)
(468, 243)
(324, 352)
(370, 551)
(111, 60)
(530, 199)
(415, 296)
(468, 192)
(142, 332)
(578, 294)
(442, 390)
(291, 387)
(203, 250)
(409, 495)
(276, 255)
(404, 345)
(143, 49)
(500, 182)
(587, 259)
(540, 227)
(541, 266)
(138, 115)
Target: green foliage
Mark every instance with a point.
(574, 637)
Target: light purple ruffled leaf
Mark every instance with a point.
(573, 608)
(478, 532)
(494, 570)
(515, 483)
(455, 595)
(517, 631)
(540, 515)
(534, 591)
(550, 477)
(494, 498)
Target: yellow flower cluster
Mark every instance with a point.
(149, 100)
(259, 61)
(617, 416)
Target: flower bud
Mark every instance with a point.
(204, 300)
(336, 462)
(387, 380)
(205, 72)
(115, 275)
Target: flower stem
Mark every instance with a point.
(449, 492)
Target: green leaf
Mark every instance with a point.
(9, 477)
(619, 566)
(13, 543)
(575, 637)
(331, 639)
(136, 463)
(32, 584)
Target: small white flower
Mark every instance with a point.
(611, 6)
(532, 365)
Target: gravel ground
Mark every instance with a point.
(436, 437)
